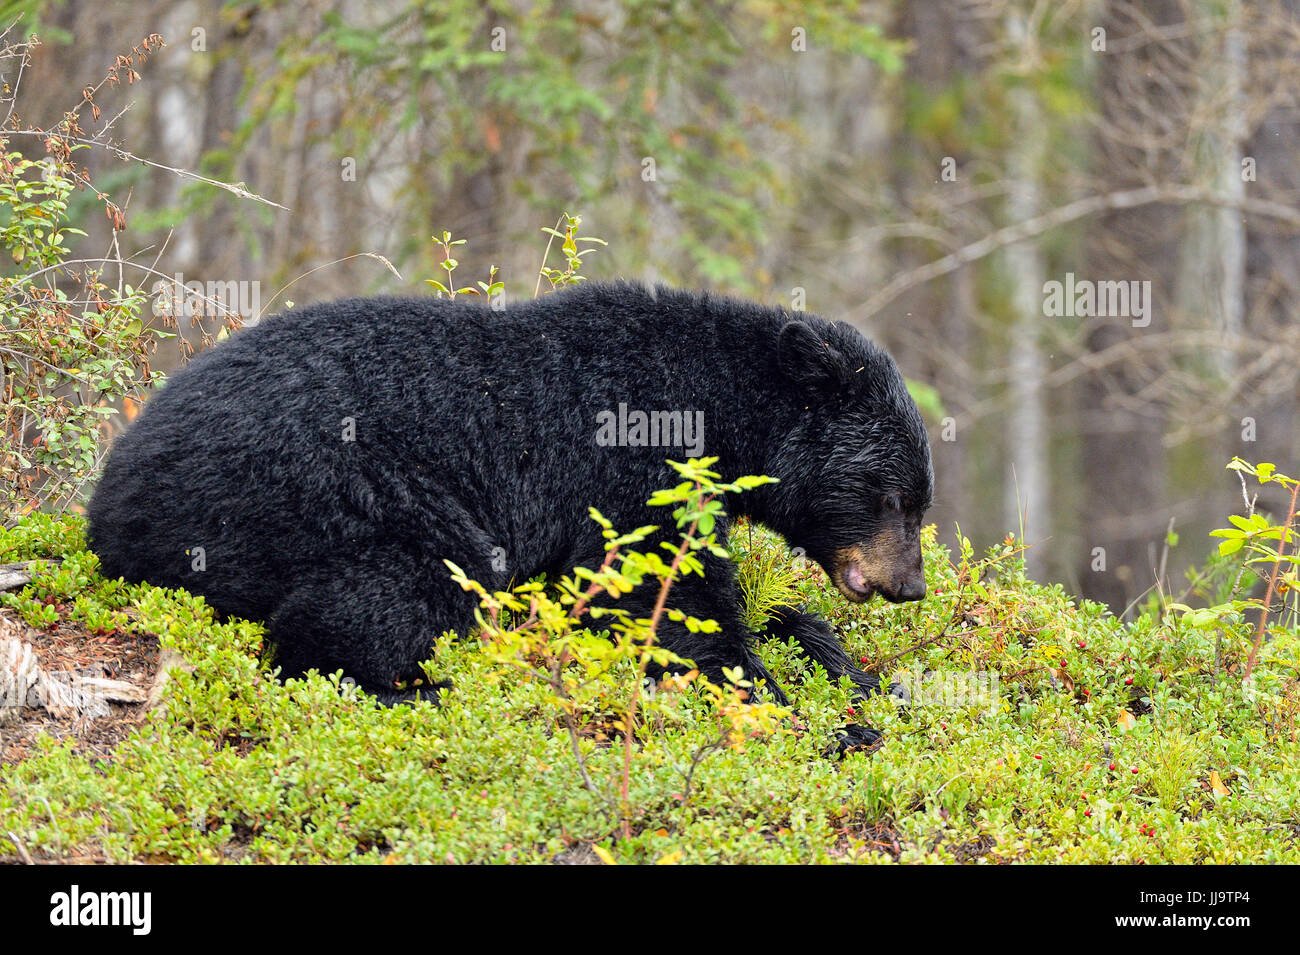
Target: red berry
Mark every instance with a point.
(1112, 767)
(1135, 769)
(1087, 692)
(1082, 645)
(1037, 757)
(862, 660)
(1087, 812)
(851, 711)
(1128, 682)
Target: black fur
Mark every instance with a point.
(475, 441)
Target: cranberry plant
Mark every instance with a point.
(1270, 546)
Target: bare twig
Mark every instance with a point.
(356, 255)
(541, 269)
(22, 850)
(237, 188)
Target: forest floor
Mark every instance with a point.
(1038, 730)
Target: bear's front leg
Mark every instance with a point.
(716, 597)
(818, 643)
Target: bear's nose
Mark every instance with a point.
(912, 587)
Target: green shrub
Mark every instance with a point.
(74, 339)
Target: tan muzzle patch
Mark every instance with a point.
(863, 570)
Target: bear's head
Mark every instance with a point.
(854, 463)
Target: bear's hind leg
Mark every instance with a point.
(375, 616)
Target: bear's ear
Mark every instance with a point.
(807, 358)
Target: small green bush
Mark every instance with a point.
(75, 342)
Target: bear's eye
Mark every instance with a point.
(891, 503)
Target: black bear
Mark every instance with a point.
(314, 471)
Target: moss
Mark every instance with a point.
(236, 766)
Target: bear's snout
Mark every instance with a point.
(888, 564)
(911, 587)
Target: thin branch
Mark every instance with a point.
(22, 849)
(541, 269)
(233, 187)
(356, 255)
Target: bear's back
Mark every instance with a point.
(410, 419)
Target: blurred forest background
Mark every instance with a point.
(920, 169)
